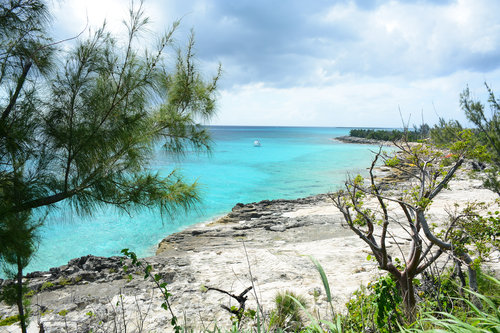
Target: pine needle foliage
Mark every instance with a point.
(85, 131)
(80, 124)
(488, 128)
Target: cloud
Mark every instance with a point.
(284, 43)
(352, 102)
(418, 40)
(292, 62)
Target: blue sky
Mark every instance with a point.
(326, 63)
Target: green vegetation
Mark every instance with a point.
(79, 124)
(428, 176)
(377, 307)
(287, 314)
(147, 270)
(417, 134)
(444, 133)
(488, 129)
(9, 320)
(473, 318)
(444, 307)
(64, 281)
(46, 285)
(63, 313)
(468, 238)
(485, 135)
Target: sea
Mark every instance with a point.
(291, 162)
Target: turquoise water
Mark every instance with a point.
(291, 163)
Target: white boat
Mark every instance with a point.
(256, 143)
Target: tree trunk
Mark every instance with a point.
(472, 279)
(473, 286)
(405, 285)
(20, 305)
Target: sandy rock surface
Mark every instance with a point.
(265, 245)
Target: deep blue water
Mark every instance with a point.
(291, 163)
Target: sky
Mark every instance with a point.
(337, 63)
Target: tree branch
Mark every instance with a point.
(19, 86)
(447, 178)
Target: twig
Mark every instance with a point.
(251, 280)
(241, 299)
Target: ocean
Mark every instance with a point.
(292, 162)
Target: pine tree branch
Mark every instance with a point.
(19, 86)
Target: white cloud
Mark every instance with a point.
(342, 65)
(353, 102)
(415, 39)
(74, 15)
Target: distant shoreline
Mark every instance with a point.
(353, 139)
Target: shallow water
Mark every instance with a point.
(291, 163)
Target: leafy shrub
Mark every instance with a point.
(376, 308)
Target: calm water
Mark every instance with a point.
(291, 163)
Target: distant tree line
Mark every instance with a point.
(418, 133)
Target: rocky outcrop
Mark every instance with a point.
(78, 271)
(244, 220)
(353, 139)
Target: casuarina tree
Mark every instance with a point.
(79, 124)
(488, 130)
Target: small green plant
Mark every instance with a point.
(361, 311)
(316, 294)
(46, 285)
(46, 312)
(63, 313)
(30, 293)
(64, 281)
(156, 278)
(376, 307)
(388, 302)
(287, 313)
(9, 320)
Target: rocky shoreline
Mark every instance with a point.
(264, 245)
(81, 294)
(354, 139)
(266, 215)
